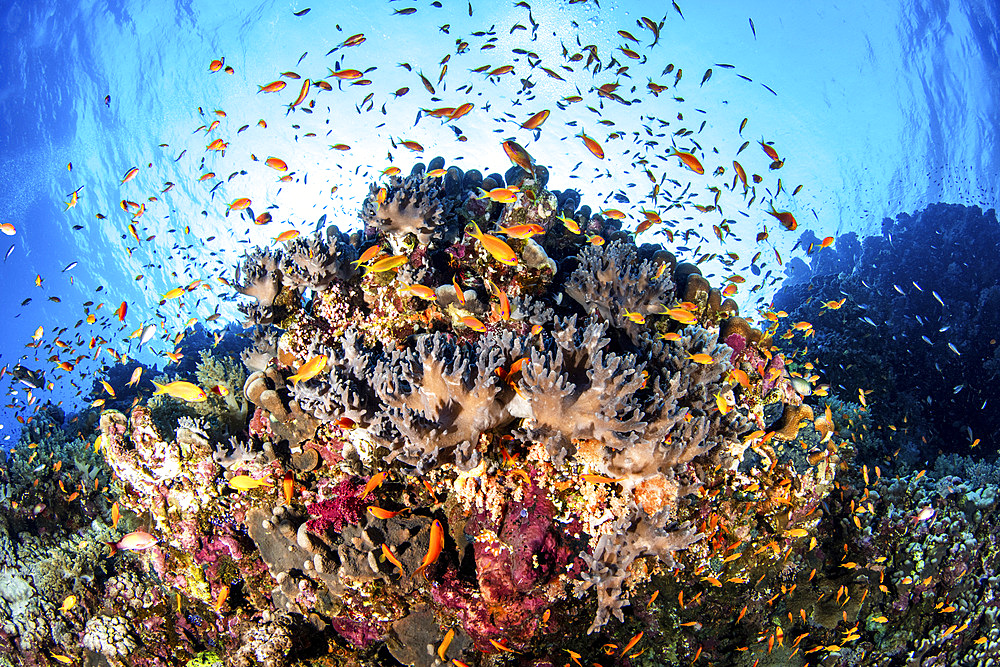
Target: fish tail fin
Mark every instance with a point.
(160, 389)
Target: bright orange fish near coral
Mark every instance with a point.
(433, 549)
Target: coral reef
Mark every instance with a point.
(443, 445)
(917, 328)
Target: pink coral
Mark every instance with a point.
(260, 425)
(360, 633)
(738, 343)
(520, 555)
(344, 505)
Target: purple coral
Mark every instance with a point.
(739, 343)
(360, 633)
(519, 553)
(346, 504)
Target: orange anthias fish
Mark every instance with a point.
(601, 479)
(741, 173)
(373, 483)
(519, 156)
(501, 647)
(303, 93)
(386, 264)
(122, 309)
(681, 315)
(239, 204)
(412, 145)
(771, 153)
(535, 121)
(286, 236)
(309, 370)
(632, 642)
(368, 255)
(181, 390)
(288, 487)
(461, 111)
(569, 223)
(501, 195)
(786, 219)
(421, 291)
(522, 231)
(392, 559)
(272, 87)
(220, 600)
(346, 74)
(592, 146)
(276, 163)
(500, 251)
(74, 197)
(137, 540)
(473, 323)
(136, 374)
(380, 513)
(701, 358)
(502, 311)
(689, 160)
(130, 174)
(433, 549)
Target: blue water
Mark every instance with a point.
(877, 108)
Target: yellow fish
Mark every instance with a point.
(638, 318)
(68, 603)
(310, 369)
(570, 224)
(722, 404)
(681, 315)
(246, 483)
(386, 264)
(221, 598)
(174, 293)
(422, 291)
(181, 390)
(65, 659)
(500, 251)
(701, 358)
